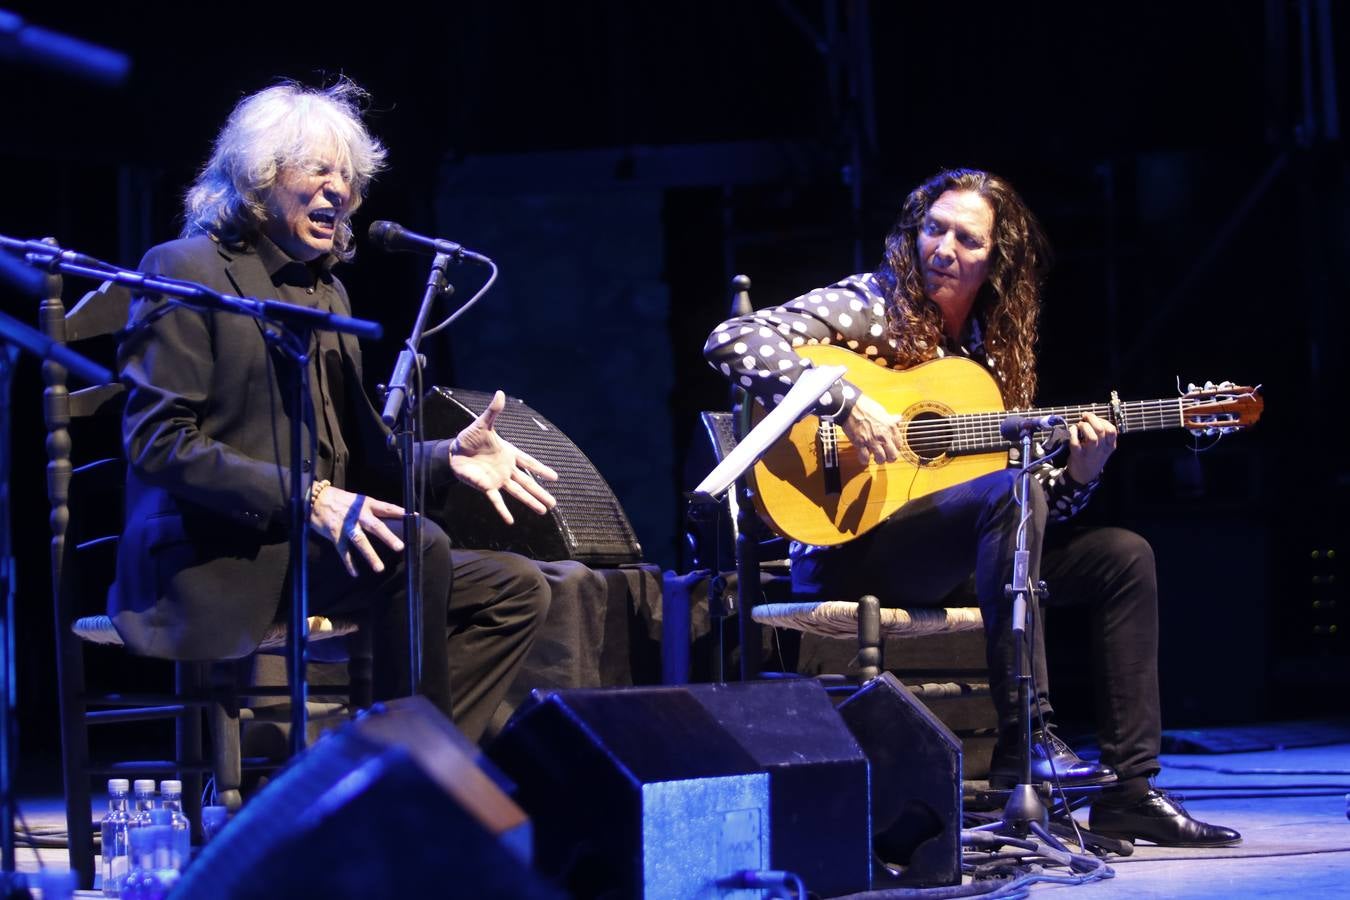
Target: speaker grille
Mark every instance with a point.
(587, 525)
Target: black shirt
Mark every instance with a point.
(311, 285)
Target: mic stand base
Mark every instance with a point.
(1025, 809)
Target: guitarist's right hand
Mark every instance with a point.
(874, 432)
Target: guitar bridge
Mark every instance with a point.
(829, 455)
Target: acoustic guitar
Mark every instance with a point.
(810, 486)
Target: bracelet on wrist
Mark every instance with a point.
(318, 488)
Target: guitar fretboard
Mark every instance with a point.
(979, 432)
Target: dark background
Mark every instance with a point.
(623, 160)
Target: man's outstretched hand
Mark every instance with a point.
(485, 460)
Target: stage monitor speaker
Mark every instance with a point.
(820, 823)
(661, 792)
(587, 525)
(393, 804)
(916, 781)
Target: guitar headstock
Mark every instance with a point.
(1221, 408)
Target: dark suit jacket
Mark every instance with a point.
(203, 559)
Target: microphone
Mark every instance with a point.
(394, 238)
(1013, 427)
(34, 46)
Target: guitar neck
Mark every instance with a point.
(979, 432)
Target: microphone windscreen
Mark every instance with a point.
(382, 233)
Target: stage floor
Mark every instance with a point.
(1290, 806)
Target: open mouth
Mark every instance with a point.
(326, 217)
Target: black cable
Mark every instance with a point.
(1001, 875)
(987, 888)
(445, 323)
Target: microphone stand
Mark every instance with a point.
(295, 328)
(1024, 811)
(401, 397)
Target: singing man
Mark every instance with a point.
(203, 566)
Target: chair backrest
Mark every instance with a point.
(94, 323)
(718, 540)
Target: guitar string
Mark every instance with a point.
(978, 422)
(977, 430)
(1134, 411)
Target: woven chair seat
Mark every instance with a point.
(839, 619)
(100, 630)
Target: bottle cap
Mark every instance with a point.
(118, 785)
(144, 785)
(171, 786)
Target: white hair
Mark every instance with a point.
(285, 125)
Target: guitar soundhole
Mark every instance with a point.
(929, 436)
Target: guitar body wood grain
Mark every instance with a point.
(789, 485)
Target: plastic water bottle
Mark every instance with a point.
(171, 799)
(168, 863)
(144, 881)
(115, 849)
(143, 789)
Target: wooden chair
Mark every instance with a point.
(863, 620)
(86, 513)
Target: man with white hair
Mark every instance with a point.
(203, 566)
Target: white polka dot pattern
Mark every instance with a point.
(852, 313)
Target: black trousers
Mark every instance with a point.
(480, 611)
(957, 544)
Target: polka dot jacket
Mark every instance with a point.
(756, 353)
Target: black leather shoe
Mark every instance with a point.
(1049, 757)
(1159, 819)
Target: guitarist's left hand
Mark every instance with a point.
(1092, 440)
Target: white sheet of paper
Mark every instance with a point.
(798, 402)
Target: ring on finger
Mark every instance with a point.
(356, 534)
